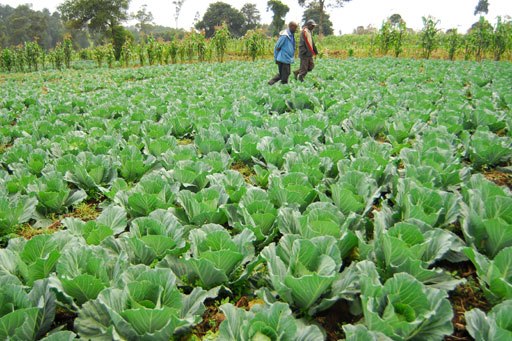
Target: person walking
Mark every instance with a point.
(284, 54)
(307, 50)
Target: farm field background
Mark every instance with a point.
(196, 202)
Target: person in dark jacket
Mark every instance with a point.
(307, 50)
(284, 53)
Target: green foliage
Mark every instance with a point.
(398, 35)
(100, 53)
(33, 54)
(265, 322)
(494, 275)
(304, 272)
(494, 325)
(127, 52)
(119, 36)
(153, 50)
(279, 11)
(148, 305)
(219, 13)
(429, 36)
(402, 308)
(54, 195)
(453, 42)
(359, 193)
(501, 40)
(255, 43)
(97, 15)
(385, 37)
(220, 41)
(24, 24)
(15, 211)
(314, 12)
(480, 38)
(26, 316)
(215, 257)
(485, 148)
(68, 51)
(486, 216)
(252, 16)
(482, 7)
(7, 59)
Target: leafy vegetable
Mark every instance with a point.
(291, 189)
(402, 308)
(14, 211)
(154, 191)
(494, 276)
(215, 257)
(493, 326)
(148, 306)
(133, 164)
(487, 216)
(85, 271)
(434, 207)
(254, 212)
(92, 171)
(487, 149)
(152, 238)
(26, 316)
(53, 194)
(303, 271)
(354, 192)
(413, 248)
(204, 206)
(265, 322)
(320, 219)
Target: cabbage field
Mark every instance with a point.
(195, 202)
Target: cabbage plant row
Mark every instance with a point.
(358, 186)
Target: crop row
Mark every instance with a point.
(357, 186)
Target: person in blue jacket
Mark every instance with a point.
(284, 53)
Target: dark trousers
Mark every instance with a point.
(306, 65)
(284, 73)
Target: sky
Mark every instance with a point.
(450, 13)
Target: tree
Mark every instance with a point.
(313, 12)
(219, 13)
(96, 15)
(395, 19)
(360, 30)
(322, 5)
(178, 4)
(144, 18)
(22, 24)
(99, 16)
(482, 7)
(252, 16)
(197, 18)
(428, 36)
(280, 10)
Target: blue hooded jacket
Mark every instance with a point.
(284, 50)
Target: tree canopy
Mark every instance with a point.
(313, 12)
(22, 24)
(178, 5)
(322, 5)
(219, 13)
(482, 7)
(395, 19)
(251, 15)
(144, 18)
(96, 15)
(280, 10)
